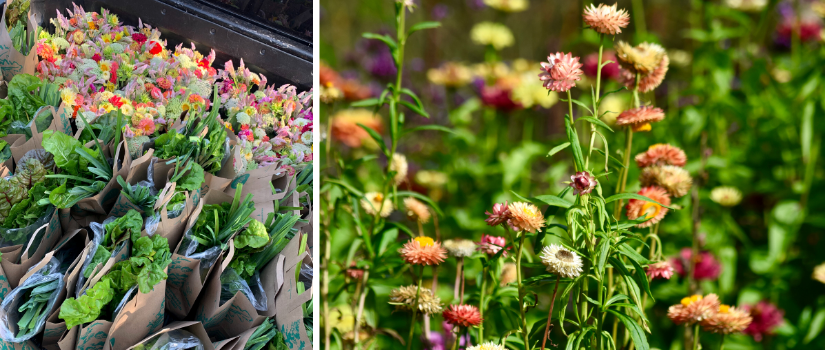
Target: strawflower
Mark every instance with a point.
(416, 210)
(404, 299)
(491, 245)
(372, 203)
(462, 315)
(661, 154)
(398, 164)
(460, 248)
(726, 196)
(727, 320)
(499, 215)
(675, 180)
(651, 211)
(423, 251)
(662, 269)
(561, 261)
(606, 19)
(494, 34)
(487, 346)
(693, 309)
(507, 5)
(640, 118)
(706, 266)
(819, 273)
(766, 317)
(525, 217)
(561, 72)
(582, 182)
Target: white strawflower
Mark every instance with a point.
(372, 204)
(561, 261)
(460, 248)
(726, 196)
(400, 167)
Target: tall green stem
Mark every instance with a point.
(415, 307)
(521, 289)
(595, 102)
(722, 342)
(572, 122)
(481, 303)
(696, 337)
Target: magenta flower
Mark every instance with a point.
(662, 269)
(582, 182)
(707, 267)
(766, 317)
(499, 215)
(561, 72)
(491, 245)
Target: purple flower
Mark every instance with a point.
(766, 317)
(582, 182)
(499, 215)
(707, 267)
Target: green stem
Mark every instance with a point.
(572, 122)
(696, 337)
(521, 289)
(415, 307)
(722, 342)
(595, 101)
(600, 318)
(481, 304)
(639, 18)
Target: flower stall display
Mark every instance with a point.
(109, 153)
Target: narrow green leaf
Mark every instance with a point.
(596, 122)
(574, 141)
(386, 39)
(427, 127)
(415, 109)
(636, 332)
(604, 251)
(377, 137)
(558, 148)
(366, 103)
(422, 26)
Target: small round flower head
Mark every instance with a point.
(372, 203)
(561, 72)
(345, 127)
(693, 309)
(460, 248)
(726, 196)
(766, 317)
(416, 210)
(487, 346)
(637, 208)
(662, 269)
(640, 118)
(507, 5)
(582, 182)
(495, 34)
(647, 82)
(404, 299)
(561, 261)
(525, 217)
(354, 272)
(706, 267)
(661, 154)
(499, 215)
(508, 273)
(642, 59)
(491, 245)
(462, 315)
(606, 19)
(423, 251)
(727, 320)
(819, 273)
(675, 180)
(400, 167)
(450, 74)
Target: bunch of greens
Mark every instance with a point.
(85, 171)
(217, 223)
(261, 336)
(145, 268)
(187, 178)
(26, 95)
(139, 195)
(206, 150)
(16, 22)
(254, 247)
(34, 308)
(5, 149)
(278, 342)
(20, 194)
(116, 232)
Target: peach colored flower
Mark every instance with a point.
(404, 298)
(561, 72)
(525, 217)
(661, 154)
(674, 179)
(606, 19)
(462, 315)
(727, 320)
(693, 309)
(640, 118)
(641, 59)
(423, 251)
(346, 129)
(373, 202)
(416, 210)
(647, 82)
(648, 210)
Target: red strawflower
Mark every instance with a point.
(499, 215)
(97, 57)
(116, 101)
(462, 315)
(707, 267)
(155, 48)
(139, 38)
(766, 317)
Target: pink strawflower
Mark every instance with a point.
(637, 208)
(499, 215)
(707, 267)
(661, 154)
(491, 245)
(662, 269)
(693, 309)
(647, 82)
(582, 182)
(462, 315)
(606, 19)
(640, 118)
(766, 317)
(423, 251)
(561, 72)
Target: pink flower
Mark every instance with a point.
(766, 317)
(707, 267)
(662, 269)
(561, 72)
(610, 71)
(582, 182)
(491, 245)
(499, 215)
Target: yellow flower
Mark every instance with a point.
(530, 92)
(127, 109)
(106, 38)
(424, 241)
(91, 25)
(450, 74)
(495, 34)
(507, 5)
(68, 97)
(108, 107)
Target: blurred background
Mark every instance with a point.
(744, 90)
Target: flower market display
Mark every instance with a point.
(516, 174)
(150, 198)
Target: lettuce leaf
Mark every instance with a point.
(63, 148)
(87, 308)
(129, 223)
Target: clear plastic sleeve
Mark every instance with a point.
(98, 232)
(177, 339)
(207, 258)
(126, 297)
(46, 282)
(232, 283)
(15, 236)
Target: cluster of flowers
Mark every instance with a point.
(102, 65)
(755, 320)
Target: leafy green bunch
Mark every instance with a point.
(116, 232)
(16, 22)
(27, 94)
(37, 299)
(20, 195)
(261, 336)
(217, 223)
(260, 242)
(139, 195)
(145, 268)
(207, 151)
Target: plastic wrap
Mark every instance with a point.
(175, 210)
(177, 339)
(306, 275)
(126, 297)
(188, 245)
(44, 279)
(232, 283)
(15, 236)
(152, 223)
(98, 232)
(207, 258)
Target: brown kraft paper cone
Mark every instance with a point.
(21, 146)
(137, 173)
(102, 202)
(289, 314)
(13, 269)
(172, 229)
(17, 62)
(55, 327)
(196, 328)
(257, 182)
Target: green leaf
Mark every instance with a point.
(87, 308)
(554, 201)
(423, 25)
(377, 137)
(558, 148)
(604, 251)
(633, 254)
(386, 39)
(817, 324)
(596, 122)
(582, 105)
(255, 236)
(192, 180)
(636, 332)
(418, 110)
(574, 141)
(427, 127)
(63, 147)
(628, 195)
(366, 103)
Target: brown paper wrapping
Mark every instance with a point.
(14, 271)
(55, 327)
(15, 62)
(257, 182)
(289, 313)
(138, 172)
(21, 145)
